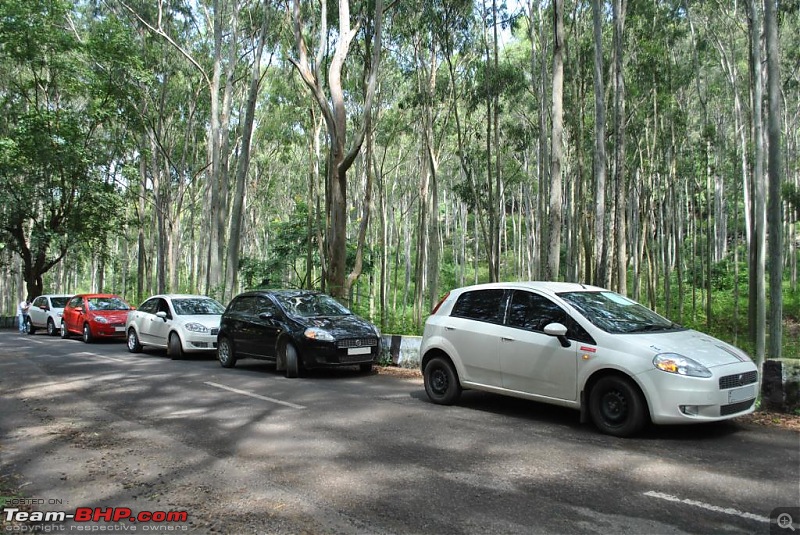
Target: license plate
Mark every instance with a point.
(741, 394)
(359, 351)
(119, 329)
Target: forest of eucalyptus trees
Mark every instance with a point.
(387, 151)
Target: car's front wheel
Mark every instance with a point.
(51, 327)
(134, 346)
(616, 407)
(87, 334)
(29, 328)
(64, 331)
(292, 360)
(174, 347)
(441, 381)
(226, 353)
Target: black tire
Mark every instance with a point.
(226, 354)
(64, 331)
(294, 367)
(174, 347)
(616, 407)
(29, 328)
(51, 327)
(87, 334)
(441, 381)
(365, 368)
(134, 346)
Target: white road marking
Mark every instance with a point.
(106, 357)
(707, 506)
(250, 394)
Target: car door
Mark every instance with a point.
(159, 325)
(38, 311)
(73, 314)
(532, 361)
(265, 327)
(472, 328)
(143, 317)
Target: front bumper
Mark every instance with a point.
(328, 355)
(200, 343)
(674, 399)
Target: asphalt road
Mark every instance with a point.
(248, 451)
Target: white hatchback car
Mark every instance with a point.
(179, 323)
(584, 347)
(45, 313)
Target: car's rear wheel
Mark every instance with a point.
(51, 327)
(441, 381)
(29, 328)
(87, 334)
(64, 331)
(134, 346)
(292, 360)
(616, 406)
(174, 347)
(225, 353)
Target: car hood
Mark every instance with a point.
(210, 321)
(700, 347)
(341, 326)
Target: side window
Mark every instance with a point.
(265, 304)
(481, 305)
(40, 302)
(164, 307)
(244, 305)
(533, 312)
(75, 302)
(149, 306)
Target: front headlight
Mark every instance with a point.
(100, 319)
(315, 333)
(680, 365)
(196, 327)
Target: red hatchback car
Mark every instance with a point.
(95, 316)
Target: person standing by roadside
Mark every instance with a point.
(22, 313)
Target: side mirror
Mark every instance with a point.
(559, 331)
(266, 315)
(161, 314)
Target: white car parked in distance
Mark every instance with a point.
(179, 323)
(619, 363)
(45, 313)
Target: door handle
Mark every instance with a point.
(504, 339)
(449, 328)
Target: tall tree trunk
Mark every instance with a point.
(599, 274)
(242, 169)
(619, 147)
(758, 299)
(775, 170)
(557, 140)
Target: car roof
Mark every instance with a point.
(92, 295)
(179, 296)
(550, 287)
(281, 291)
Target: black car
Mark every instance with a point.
(296, 329)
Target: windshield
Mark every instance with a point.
(308, 305)
(617, 314)
(197, 306)
(107, 303)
